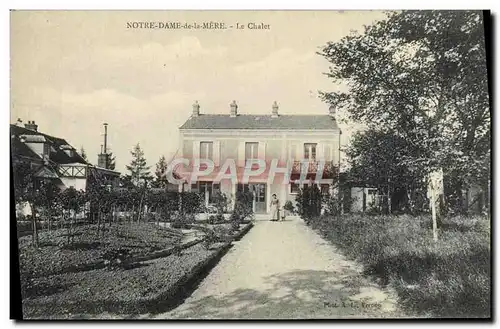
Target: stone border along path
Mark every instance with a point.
(285, 270)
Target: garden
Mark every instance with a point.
(120, 250)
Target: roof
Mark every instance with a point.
(58, 156)
(33, 138)
(247, 121)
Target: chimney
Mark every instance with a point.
(234, 109)
(31, 125)
(196, 109)
(275, 110)
(332, 112)
(105, 138)
(102, 158)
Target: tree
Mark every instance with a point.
(376, 159)
(420, 75)
(83, 154)
(49, 194)
(309, 201)
(72, 202)
(111, 159)
(160, 177)
(139, 171)
(25, 191)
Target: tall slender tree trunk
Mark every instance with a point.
(98, 219)
(434, 215)
(68, 228)
(73, 223)
(140, 208)
(49, 218)
(35, 228)
(389, 200)
(157, 217)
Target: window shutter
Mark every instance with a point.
(293, 152)
(196, 150)
(216, 153)
(320, 151)
(283, 151)
(262, 150)
(241, 154)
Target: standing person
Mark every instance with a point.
(275, 204)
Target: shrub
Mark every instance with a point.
(216, 219)
(220, 202)
(218, 233)
(180, 220)
(243, 204)
(235, 221)
(289, 207)
(191, 202)
(309, 201)
(116, 258)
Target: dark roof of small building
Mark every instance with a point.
(247, 121)
(58, 156)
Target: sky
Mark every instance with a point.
(71, 71)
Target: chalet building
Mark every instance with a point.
(54, 158)
(242, 137)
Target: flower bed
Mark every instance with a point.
(147, 282)
(55, 255)
(152, 286)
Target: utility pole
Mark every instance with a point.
(339, 195)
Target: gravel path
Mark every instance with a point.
(284, 270)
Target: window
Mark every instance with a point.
(46, 150)
(310, 151)
(325, 189)
(251, 151)
(244, 188)
(204, 187)
(69, 152)
(294, 188)
(206, 150)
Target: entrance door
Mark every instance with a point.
(259, 196)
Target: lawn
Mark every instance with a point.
(447, 278)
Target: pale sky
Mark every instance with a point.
(72, 71)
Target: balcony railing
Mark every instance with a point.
(329, 168)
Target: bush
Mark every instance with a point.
(309, 201)
(191, 202)
(289, 207)
(220, 201)
(235, 221)
(182, 221)
(450, 278)
(243, 204)
(116, 258)
(216, 219)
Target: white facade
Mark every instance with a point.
(280, 145)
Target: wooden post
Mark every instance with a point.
(434, 215)
(389, 200)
